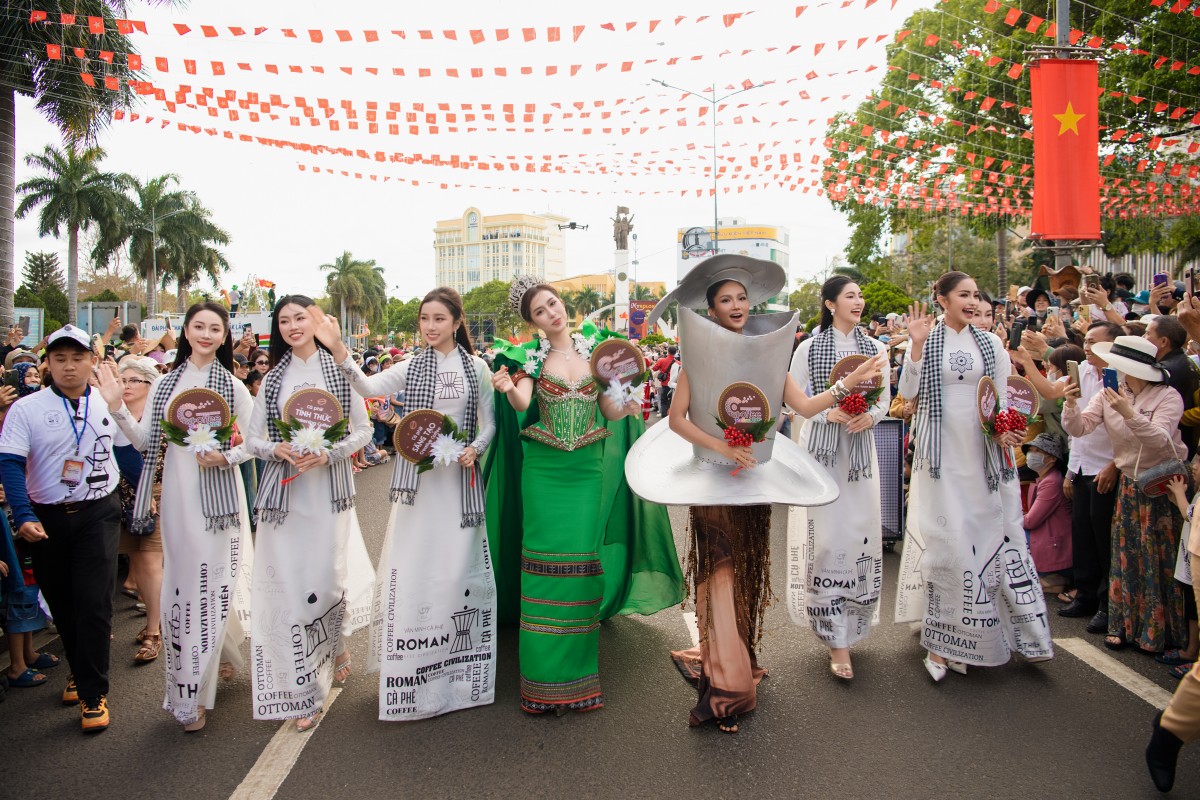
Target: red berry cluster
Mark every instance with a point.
(853, 404)
(736, 437)
(1009, 420)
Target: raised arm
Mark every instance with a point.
(109, 384)
(386, 382)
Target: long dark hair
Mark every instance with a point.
(278, 345)
(830, 291)
(224, 351)
(453, 303)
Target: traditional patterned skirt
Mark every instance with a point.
(730, 564)
(1145, 602)
(562, 583)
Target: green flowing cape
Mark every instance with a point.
(642, 574)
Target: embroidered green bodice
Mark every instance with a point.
(568, 413)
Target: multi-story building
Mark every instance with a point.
(474, 249)
(736, 235)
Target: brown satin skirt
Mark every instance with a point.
(729, 564)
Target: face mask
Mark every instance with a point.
(1036, 461)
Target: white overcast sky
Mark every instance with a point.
(285, 222)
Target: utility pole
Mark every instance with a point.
(1062, 39)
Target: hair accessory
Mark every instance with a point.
(517, 289)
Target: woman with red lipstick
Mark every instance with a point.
(966, 571)
(435, 573)
(587, 547)
(732, 389)
(305, 507)
(841, 544)
(205, 553)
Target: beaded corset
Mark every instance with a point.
(568, 413)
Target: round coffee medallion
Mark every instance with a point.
(315, 407)
(416, 432)
(617, 359)
(194, 407)
(743, 405)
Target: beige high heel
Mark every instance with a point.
(192, 727)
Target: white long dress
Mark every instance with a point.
(206, 573)
(302, 577)
(433, 630)
(835, 552)
(966, 570)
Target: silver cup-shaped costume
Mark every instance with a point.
(664, 468)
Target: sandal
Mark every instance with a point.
(27, 679)
(192, 727)
(1115, 641)
(306, 724)
(727, 724)
(844, 672)
(130, 592)
(142, 634)
(44, 661)
(342, 669)
(1172, 658)
(151, 646)
(1180, 672)
(1066, 597)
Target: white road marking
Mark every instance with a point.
(1113, 669)
(40, 640)
(689, 619)
(276, 760)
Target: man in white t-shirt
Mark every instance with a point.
(58, 471)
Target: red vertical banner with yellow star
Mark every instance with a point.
(1066, 143)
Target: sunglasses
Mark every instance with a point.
(263, 363)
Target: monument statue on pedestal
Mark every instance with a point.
(622, 226)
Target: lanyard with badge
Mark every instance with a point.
(72, 470)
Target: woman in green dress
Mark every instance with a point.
(586, 547)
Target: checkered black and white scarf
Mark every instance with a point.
(928, 423)
(218, 485)
(825, 437)
(273, 499)
(421, 393)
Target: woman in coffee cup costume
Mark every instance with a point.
(722, 456)
(836, 551)
(966, 572)
(308, 533)
(206, 554)
(433, 629)
(587, 550)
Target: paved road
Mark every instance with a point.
(1020, 731)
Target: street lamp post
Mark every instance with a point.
(712, 101)
(152, 294)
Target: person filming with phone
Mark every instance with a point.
(1141, 413)
(1169, 337)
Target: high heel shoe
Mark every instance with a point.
(936, 671)
(957, 666)
(1161, 755)
(843, 672)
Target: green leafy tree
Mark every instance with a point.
(107, 296)
(77, 109)
(72, 193)
(806, 299)
(42, 269)
(489, 302)
(883, 297)
(403, 316)
(587, 300)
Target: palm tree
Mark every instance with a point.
(643, 292)
(159, 223)
(569, 302)
(587, 300)
(77, 109)
(72, 192)
(197, 257)
(358, 288)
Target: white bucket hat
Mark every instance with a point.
(1132, 355)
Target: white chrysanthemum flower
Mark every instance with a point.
(202, 439)
(584, 345)
(310, 440)
(446, 450)
(532, 360)
(619, 393)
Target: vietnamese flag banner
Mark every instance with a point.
(1066, 163)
